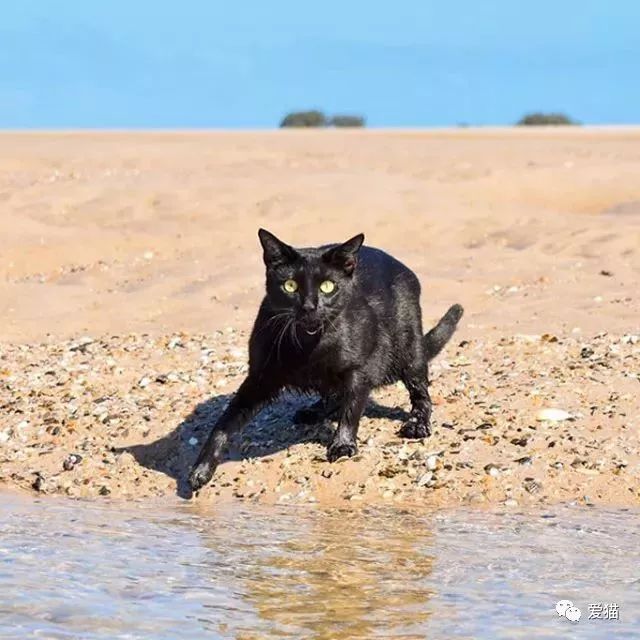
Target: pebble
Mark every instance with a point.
(390, 472)
(552, 415)
(38, 483)
(58, 396)
(492, 470)
(71, 461)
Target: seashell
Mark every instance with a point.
(424, 479)
(532, 486)
(587, 472)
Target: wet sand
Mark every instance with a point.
(130, 272)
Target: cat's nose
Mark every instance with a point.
(308, 305)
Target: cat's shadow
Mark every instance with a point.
(271, 431)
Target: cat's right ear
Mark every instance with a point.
(275, 252)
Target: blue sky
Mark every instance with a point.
(205, 63)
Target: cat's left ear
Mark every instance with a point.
(345, 255)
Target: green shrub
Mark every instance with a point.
(347, 121)
(311, 118)
(539, 118)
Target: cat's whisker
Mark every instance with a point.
(274, 320)
(284, 329)
(295, 334)
(279, 317)
(333, 326)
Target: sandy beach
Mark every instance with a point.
(130, 274)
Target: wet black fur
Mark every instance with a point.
(365, 334)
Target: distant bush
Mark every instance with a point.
(315, 118)
(304, 119)
(346, 121)
(539, 118)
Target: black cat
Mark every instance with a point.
(338, 320)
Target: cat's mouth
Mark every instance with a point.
(311, 328)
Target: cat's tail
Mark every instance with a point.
(435, 340)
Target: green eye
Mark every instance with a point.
(290, 286)
(327, 286)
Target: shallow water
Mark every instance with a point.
(87, 570)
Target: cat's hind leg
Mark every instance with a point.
(416, 380)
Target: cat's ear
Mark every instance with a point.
(345, 255)
(276, 252)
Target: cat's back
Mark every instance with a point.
(379, 272)
(377, 266)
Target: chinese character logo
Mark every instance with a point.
(566, 610)
(604, 611)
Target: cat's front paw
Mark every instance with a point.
(340, 449)
(200, 475)
(414, 429)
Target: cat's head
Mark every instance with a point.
(313, 285)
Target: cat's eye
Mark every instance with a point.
(327, 286)
(290, 286)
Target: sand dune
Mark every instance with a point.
(157, 231)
